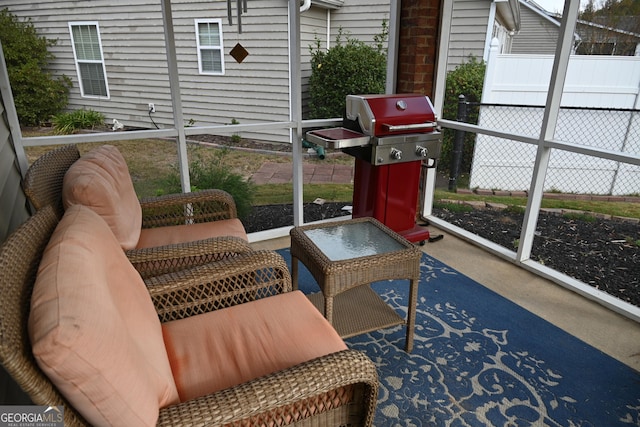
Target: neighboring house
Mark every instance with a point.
(115, 55)
(603, 39)
(539, 31)
(524, 27)
(474, 23)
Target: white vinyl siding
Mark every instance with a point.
(87, 51)
(210, 46)
(469, 25)
(360, 20)
(538, 34)
(313, 26)
(355, 20)
(134, 52)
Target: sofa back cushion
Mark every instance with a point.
(100, 180)
(93, 327)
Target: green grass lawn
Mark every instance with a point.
(624, 209)
(153, 161)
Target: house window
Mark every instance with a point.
(87, 51)
(210, 48)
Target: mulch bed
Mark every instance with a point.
(242, 143)
(275, 216)
(602, 253)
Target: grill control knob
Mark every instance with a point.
(395, 154)
(421, 151)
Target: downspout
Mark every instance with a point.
(446, 17)
(305, 6)
(328, 29)
(393, 43)
(489, 33)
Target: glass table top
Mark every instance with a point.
(349, 241)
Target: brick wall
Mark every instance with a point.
(417, 50)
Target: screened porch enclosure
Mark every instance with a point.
(542, 145)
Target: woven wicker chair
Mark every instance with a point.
(42, 185)
(298, 396)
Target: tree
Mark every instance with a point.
(611, 29)
(38, 95)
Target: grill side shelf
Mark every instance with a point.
(337, 138)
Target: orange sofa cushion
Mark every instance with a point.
(100, 180)
(93, 327)
(160, 236)
(223, 348)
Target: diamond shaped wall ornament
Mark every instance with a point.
(239, 53)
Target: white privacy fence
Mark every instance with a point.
(599, 109)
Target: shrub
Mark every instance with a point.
(235, 138)
(214, 173)
(67, 123)
(347, 68)
(38, 95)
(467, 79)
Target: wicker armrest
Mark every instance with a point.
(181, 208)
(42, 183)
(160, 260)
(230, 281)
(288, 396)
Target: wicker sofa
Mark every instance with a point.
(225, 343)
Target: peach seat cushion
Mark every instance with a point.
(100, 180)
(223, 348)
(93, 327)
(160, 236)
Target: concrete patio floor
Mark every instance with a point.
(589, 321)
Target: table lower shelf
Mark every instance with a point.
(358, 311)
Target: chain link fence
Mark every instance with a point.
(498, 163)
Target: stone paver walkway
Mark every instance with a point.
(323, 173)
(313, 173)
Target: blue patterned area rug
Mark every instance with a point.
(481, 360)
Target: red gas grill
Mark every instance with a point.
(391, 137)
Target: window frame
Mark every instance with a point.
(200, 47)
(78, 61)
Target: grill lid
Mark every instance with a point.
(383, 115)
(404, 121)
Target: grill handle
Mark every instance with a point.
(412, 126)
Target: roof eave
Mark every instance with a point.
(509, 11)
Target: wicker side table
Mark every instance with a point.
(344, 258)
